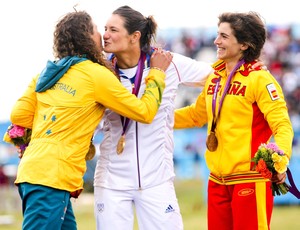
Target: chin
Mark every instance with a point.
(107, 50)
(220, 57)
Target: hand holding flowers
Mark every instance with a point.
(272, 163)
(18, 136)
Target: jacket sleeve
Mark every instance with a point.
(113, 95)
(24, 109)
(191, 72)
(271, 101)
(191, 116)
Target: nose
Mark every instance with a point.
(217, 40)
(105, 35)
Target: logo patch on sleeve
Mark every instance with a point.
(272, 92)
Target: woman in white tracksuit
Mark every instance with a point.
(141, 175)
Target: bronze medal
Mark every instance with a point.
(121, 145)
(212, 142)
(91, 152)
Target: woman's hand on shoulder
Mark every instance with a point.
(161, 59)
(259, 64)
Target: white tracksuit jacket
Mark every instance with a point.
(147, 159)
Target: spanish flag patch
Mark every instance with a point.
(272, 92)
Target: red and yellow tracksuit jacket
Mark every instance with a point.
(253, 110)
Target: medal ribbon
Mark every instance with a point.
(214, 101)
(136, 85)
(292, 188)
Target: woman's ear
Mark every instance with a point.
(135, 36)
(244, 47)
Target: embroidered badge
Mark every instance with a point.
(100, 207)
(272, 92)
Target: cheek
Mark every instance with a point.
(119, 40)
(116, 39)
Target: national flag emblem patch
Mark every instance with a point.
(272, 92)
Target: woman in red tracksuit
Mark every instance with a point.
(251, 111)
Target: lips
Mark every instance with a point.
(219, 50)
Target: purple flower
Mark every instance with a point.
(273, 147)
(280, 152)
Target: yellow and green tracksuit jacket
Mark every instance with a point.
(64, 117)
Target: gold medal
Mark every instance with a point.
(212, 142)
(121, 145)
(91, 152)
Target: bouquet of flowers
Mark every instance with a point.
(18, 135)
(269, 160)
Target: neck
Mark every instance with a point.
(128, 60)
(230, 66)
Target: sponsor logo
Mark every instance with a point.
(246, 192)
(169, 209)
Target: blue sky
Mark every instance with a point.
(27, 27)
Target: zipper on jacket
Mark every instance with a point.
(137, 154)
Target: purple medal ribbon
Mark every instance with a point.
(292, 188)
(238, 65)
(136, 85)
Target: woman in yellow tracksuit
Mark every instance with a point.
(63, 105)
(251, 110)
